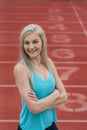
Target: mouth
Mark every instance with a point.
(32, 51)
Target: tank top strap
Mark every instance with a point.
(22, 60)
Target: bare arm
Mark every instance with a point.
(60, 87)
(22, 82)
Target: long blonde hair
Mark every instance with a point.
(31, 28)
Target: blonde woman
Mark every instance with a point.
(39, 85)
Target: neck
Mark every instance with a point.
(35, 63)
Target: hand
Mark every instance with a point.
(32, 96)
(57, 92)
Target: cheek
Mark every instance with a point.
(41, 48)
(24, 47)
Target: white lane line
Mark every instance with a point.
(10, 45)
(7, 85)
(49, 45)
(8, 62)
(75, 121)
(61, 121)
(67, 86)
(17, 32)
(71, 62)
(76, 86)
(56, 62)
(22, 21)
(34, 14)
(82, 10)
(9, 121)
(67, 45)
(79, 19)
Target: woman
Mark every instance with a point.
(38, 83)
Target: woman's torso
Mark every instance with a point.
(42, 88)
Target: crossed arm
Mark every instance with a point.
(36, 106)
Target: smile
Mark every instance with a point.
(32, 51)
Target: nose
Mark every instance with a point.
(31, 46)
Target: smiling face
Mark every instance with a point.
(33, 45)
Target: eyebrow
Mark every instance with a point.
(28, 41)
(25, 41)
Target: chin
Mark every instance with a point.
(32, 56)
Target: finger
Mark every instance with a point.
(31, 93)
(32, 97)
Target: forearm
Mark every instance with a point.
(62, 98)
(53, 100)
(45, 103)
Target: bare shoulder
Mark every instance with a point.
(19, 68)
(51, 63)
(53, 67)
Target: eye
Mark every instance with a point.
(35, 41)
(26, 42)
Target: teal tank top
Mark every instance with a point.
(42, 88)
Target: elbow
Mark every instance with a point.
(34, 112)
(65, 97)
(34, 109)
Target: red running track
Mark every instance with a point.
(65, 24)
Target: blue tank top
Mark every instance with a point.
(42, 88)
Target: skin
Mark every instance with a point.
(33, 47)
